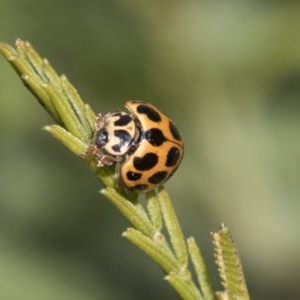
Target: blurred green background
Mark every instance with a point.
(228, 74)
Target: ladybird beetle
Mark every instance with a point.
(145, 142)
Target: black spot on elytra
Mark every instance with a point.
(155, 136)
(158, 177)
(132, 176)
(147, 162)
(175, 133)
(123, 120)
(172, 157)
(101, 137)
(152, 114)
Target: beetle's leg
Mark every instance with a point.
(106, 160)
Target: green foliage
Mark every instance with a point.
(229, 266)
(171, 251)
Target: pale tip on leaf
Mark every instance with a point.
(229, 265)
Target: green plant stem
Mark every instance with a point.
(201, 269)
(75, 128)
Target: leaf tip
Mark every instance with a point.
(18, 41)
